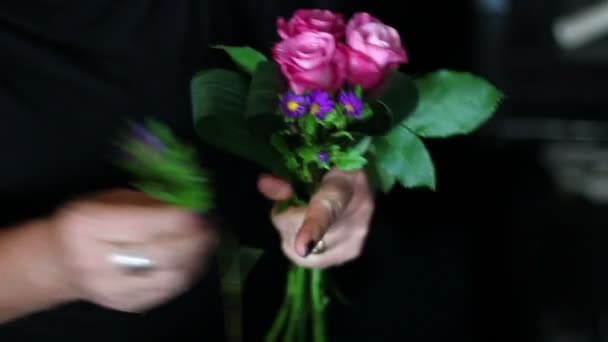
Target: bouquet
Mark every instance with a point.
(330, 95)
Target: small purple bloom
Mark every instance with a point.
(294, 105)
(142, 135)
(353, 106)
(320, 103)
(323, 157)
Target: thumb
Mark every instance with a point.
(274, 188)
(324, 209)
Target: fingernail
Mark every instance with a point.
(309, 247)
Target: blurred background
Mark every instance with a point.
(532, 186)
(513, 245)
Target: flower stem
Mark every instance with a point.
(281, 317)
(296, 313)
(318, 305)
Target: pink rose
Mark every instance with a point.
(312, 60)
(360, 19)
(374, 50)
(311, 20)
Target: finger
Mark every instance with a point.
(325, 207)
(185, 252)
(274, 188)
(336, 253)
(134, 224)
(288, 222)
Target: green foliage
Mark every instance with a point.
(390, 104)
(452, 103)
(401, 156)
(309, 125)
(171, 173)
(265, 87)
(218, 102)
(246, 58)
(349, 160)
(241, 116)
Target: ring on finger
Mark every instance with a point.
(319, 248)
(132, 262)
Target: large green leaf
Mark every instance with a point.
(393, 101)
(245, 57)
(399, 94)
(218, 104)
(401, 156)
(378, 176)
(452, 103)
(267, 84)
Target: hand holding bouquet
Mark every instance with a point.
(332, 101)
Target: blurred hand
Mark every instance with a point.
(339, 213)
(90, 230)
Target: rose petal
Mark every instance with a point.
(363, 71)
(282, 28)
(359, 19)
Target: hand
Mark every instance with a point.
(89, 231)
(339, 213)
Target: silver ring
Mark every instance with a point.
(320, 247)
(132, 262)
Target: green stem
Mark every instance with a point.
(318, 305)
(281, 317)
(296, 312)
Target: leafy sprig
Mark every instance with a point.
(318, 136)
(165, 168)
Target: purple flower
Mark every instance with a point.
(294, 105)
(320, 103)
(353, 106)
(323, 157)
(142, 135)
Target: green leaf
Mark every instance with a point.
(402, 156)
(337, 119)
(358, 91)
(363, 145)
(452, 103)
(393, 101)
(267, 84)
(379, 177)
(367, 112)
(342, 134)
(348, 160)
(308, 124)
(278, 141)
(292, 163)
(308, 154)
(218, 102)
(245, 57)
(280, 144)
(305, 175)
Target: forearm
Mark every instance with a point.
(30, 280)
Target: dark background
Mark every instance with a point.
(512, 246)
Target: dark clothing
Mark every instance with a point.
(71, 72)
